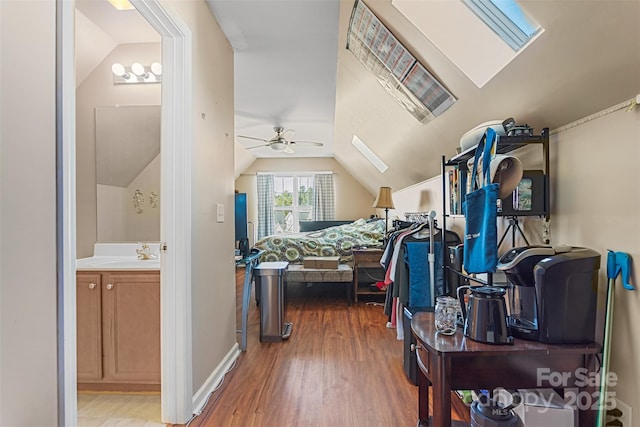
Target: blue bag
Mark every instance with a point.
(480, 209)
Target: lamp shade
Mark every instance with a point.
(384, 200)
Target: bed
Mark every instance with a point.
(332, 241)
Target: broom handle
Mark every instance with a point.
(604, 372)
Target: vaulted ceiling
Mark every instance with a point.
(587, 59)
(292, 69)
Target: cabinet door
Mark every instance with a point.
(89, 326)
(131, 327)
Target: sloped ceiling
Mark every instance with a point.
(100, 28)
(292, 69)
(588, 59)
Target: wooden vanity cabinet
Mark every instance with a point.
(118, 318)
(89, 326)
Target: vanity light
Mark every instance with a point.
(137, 73)
(121, 4)
(156, 68)
(138, 70)
(119, 70)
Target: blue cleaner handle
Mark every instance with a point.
(623, 261)
(620, 262)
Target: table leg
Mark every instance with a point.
(355, 282)
(441, 391)
(246, 297)
(423, 399)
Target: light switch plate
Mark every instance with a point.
(220, 212)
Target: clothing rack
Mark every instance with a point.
(418, 217)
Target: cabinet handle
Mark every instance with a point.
(109, 286)
(92, 285)
(415, 347)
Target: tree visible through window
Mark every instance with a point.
(293, 201)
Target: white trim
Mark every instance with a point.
(175, 271)
(215, 379)
(66, 81)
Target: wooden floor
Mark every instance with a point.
(341, 367)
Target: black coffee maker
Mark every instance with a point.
(552, 293)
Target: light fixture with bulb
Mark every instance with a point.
(136, 73)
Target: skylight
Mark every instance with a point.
(506, 19)
(471, 40)
(401, 74)
(370, 155)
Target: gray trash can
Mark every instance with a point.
(270, 278)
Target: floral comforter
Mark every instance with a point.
(331, 241)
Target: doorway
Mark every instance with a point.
(176, 389)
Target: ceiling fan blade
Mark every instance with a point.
(288, 150)
(317, 144)
(288, 134)
(254, 138)
(257, 146)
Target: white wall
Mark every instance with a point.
(595, 202)
(28, 361)
(117, 219)
(111, 213)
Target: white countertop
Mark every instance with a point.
(118, 257)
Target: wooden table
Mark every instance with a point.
(363, 258)
(458, 363)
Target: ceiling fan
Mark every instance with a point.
(281, 141)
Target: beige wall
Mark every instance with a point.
(98, 90)
(595, 202)
(28, 383)
(213, 308)
(352, 200)
(28, 370)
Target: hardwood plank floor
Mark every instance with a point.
(341, 367)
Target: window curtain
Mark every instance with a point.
(266, 216)
(323, 199)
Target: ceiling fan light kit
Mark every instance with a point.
(279, 142)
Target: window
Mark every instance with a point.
(506, 19)
(284, 199)
(292, 201)
(481, 37)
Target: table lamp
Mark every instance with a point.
(384, 201)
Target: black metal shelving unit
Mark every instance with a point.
(506, 144)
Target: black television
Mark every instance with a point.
(241, 222)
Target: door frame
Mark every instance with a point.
(175, 223)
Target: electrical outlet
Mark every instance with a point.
(622, 419)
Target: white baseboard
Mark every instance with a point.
(216, 377)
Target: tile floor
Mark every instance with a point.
(118, 410)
